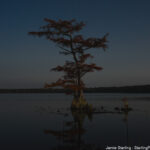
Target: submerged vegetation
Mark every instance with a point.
(65, 34)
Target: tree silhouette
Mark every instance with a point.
(64, 34)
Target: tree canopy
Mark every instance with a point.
(65, 33)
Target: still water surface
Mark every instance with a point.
(44, 122)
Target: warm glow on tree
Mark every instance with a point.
(64, 34)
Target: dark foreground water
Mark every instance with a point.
(44, 122)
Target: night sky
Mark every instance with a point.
(25, 61)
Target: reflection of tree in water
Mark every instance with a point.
(71, 135)
(126, 109)
(126, 113)
(72, 132)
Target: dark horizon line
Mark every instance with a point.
(112, 89)
(138, 85)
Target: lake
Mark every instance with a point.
(44, 122)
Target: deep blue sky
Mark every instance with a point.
(25, 61)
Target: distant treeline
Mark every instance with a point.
(123, 89)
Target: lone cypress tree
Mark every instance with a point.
(65, 34)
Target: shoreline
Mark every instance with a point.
(123, 89)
